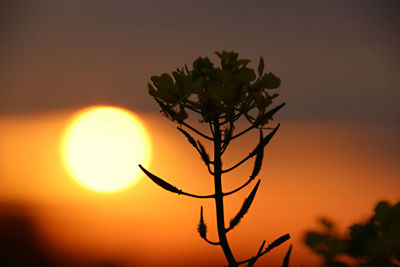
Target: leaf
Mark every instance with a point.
(152, 90)
(245, 207)
(277, 242)
(203, 153)
(189, 137)
(261, 67)
(202, 228)
(287, 256)
(259, 157)
(160, 181)
(270, 81)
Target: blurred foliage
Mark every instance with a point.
(227, 92)
(375, 242)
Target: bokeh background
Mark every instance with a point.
(337, 152)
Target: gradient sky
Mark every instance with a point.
(338, 145)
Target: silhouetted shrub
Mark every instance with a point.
(375, 242)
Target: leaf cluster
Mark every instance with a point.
(375, 242)
(224, 92)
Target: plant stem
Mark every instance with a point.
(219, 203)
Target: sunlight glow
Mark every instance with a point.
(102, 147)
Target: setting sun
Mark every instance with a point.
(102, 147)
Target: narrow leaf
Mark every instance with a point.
(245, 207)
(277, 242)
(202, 228)
(259, 157)
(160, 181)
(203, 153)
(189, 137)
(261, 67)
(287, 256)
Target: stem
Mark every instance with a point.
(219, 203)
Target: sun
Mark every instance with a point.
(102, 147)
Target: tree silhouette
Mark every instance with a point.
(221, 96)
(374, 243)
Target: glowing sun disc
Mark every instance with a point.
(102, 147)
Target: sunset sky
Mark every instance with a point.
(336, 154)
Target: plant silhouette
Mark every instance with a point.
(221, 96)
(375, 242)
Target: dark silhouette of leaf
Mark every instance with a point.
(270, 81)
(287, 257)
(245, 207)
(203, 153)
(277, 242)
(189, 137)
(160, 181)
(261, 67)
(202, 228)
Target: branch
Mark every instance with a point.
(160, 182)
(253, 260)
(227, 137)
(271, 246)
(256, 124)
(265, 141)
(196, 131)
(240, 187)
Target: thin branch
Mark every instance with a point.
(271, 246)
(209, 169)
(193, 109)
(253, 153)
(198, 132)
(256, 124)
(244, 131)
(253, 260)
(170, 187)
(211, 242)
(240, 187)
(211, 129)
(239, 163)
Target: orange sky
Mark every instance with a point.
(310, 169)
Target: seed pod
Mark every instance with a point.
(202, 228)
(160, 181)
(287, 256)
(203, 153)
(189, 138)
(277, 242)
(245, 207)
(259, 158)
